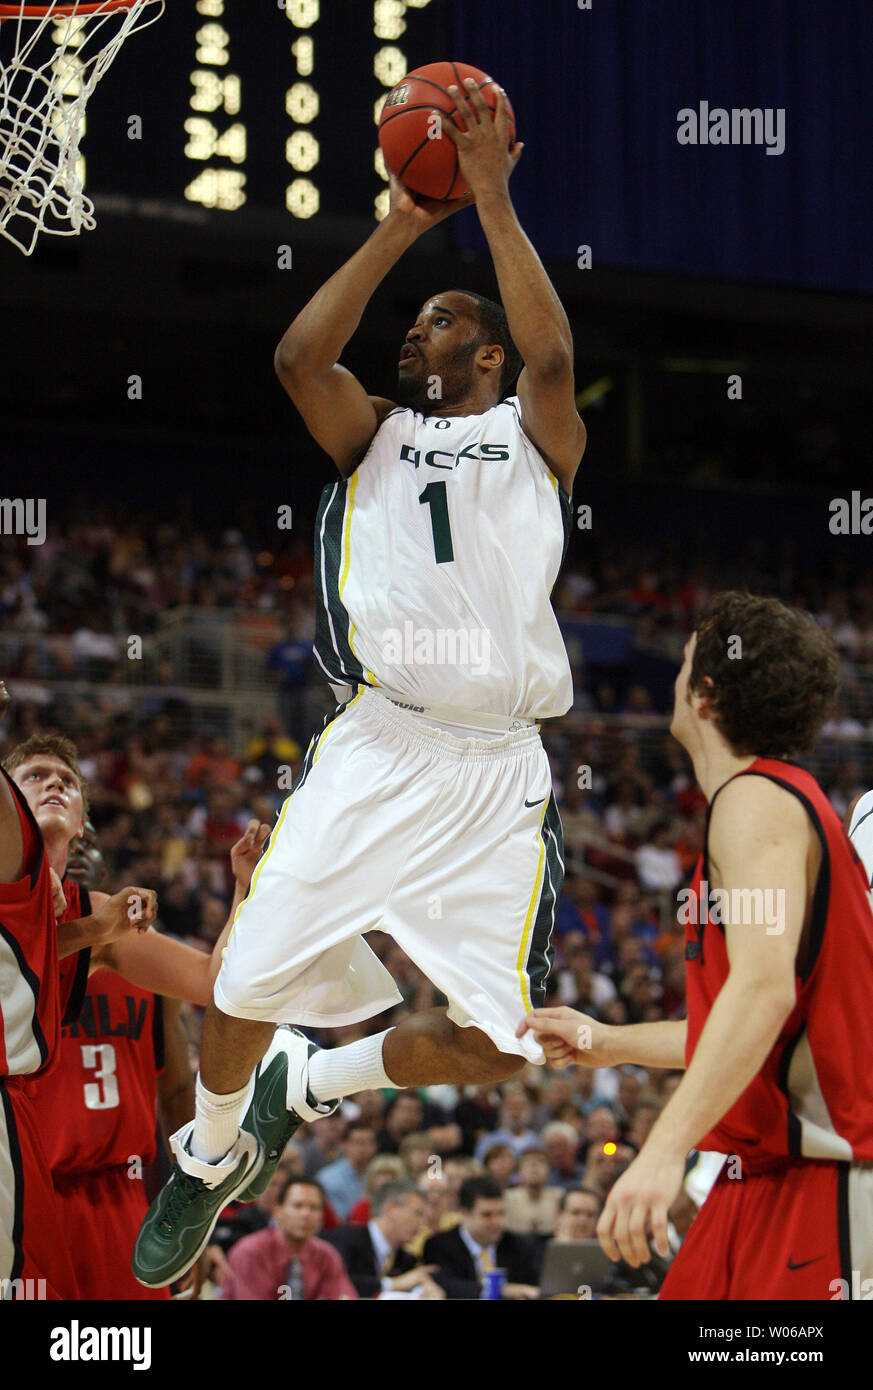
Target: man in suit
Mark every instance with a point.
(287, 1260)
(481, 1242)
(376, 1262)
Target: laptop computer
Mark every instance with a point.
(571, 1264)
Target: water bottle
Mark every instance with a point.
(492, 1283)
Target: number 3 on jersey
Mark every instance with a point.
(434, 496)
(102, 1092)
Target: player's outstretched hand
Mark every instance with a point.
(418, 213)
(637, 1207)
(133, 909)
(568, 1037)
(247, 851)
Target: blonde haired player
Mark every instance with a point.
(424, 807)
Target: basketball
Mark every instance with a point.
(413, 147)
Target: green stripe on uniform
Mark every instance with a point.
(541, 954)
(332, 623)
(566, 518)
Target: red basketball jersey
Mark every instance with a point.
(97, 1109)
(30, 998)
(74, 969)
(813, 1097)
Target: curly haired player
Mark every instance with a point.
(778, 1044)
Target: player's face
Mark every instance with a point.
(85, 863)
(486, 1221)
(436, 360)
(52, 792)
(300, 1215)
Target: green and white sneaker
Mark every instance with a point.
(281, 1103)
(182, 1217)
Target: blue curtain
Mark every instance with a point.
(596, 94)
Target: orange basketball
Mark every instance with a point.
(414, 150)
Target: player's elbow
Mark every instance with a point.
(552, 364)
(287, 360)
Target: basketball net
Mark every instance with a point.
(51, 59)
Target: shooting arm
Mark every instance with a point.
(336, 409)
(541, 332)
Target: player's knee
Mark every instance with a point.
(506, 1065)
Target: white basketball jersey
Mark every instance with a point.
(434, 564)
(861, 833)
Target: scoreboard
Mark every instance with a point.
(268, 106)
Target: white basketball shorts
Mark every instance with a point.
(451, 845)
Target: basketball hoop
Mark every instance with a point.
(51, 59)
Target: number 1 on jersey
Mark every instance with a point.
(434, 496)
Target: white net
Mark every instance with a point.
(51, 59)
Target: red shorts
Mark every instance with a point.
(796, 1231)
(101, 1213)
(32, 1248)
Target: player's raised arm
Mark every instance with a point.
(339, 414)
(537, 322)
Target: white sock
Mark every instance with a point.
(354, 1067)
(217, 1121)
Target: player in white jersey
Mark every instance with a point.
(424, 807)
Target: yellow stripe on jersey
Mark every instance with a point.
(347, 554)
(260, 864)
(521, 963)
